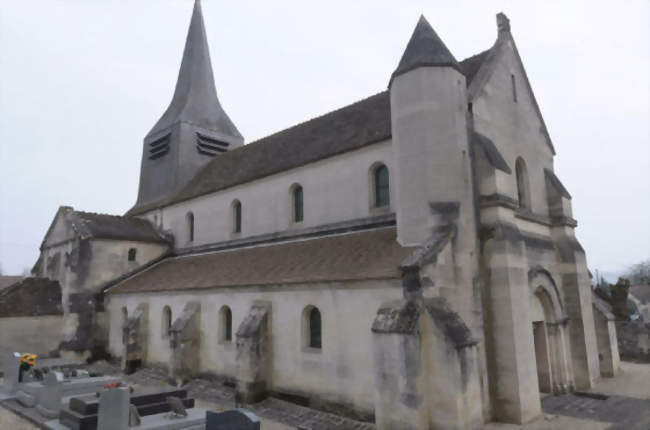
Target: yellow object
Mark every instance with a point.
(28, 358)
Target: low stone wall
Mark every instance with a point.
(634, 340)
(31, 317)
(36, 334)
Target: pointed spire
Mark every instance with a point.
(195, 98)
(425, 49)
(503, 23)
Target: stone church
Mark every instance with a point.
(409, 259)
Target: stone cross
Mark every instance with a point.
(236, 419)
(11, 369)
(49, 397)
(113, 409)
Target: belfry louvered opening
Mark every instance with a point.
(159, 147)
(210, 146)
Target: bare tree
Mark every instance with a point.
(639, 273)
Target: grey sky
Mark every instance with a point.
(82, 82)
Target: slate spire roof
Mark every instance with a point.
(425, 49)
(195, 98)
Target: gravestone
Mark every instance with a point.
(114, 409)
(11, 369)
(236, 419)
(49, 397)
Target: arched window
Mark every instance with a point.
(190, 226)
(125, 316)
(225, 315)
(132, 253)
(236, 216)
(166, 321)
(298, 212)
(382, 186)
(315, 330)
(523, 192)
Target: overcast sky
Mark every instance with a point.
(82, 82)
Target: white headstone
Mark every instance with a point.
(11, 369)
(114, 409)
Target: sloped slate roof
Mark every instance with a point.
(373, 254)
(31, 297)
(102, 226)
(555, 181)
(351, 127)
(425, 48)
(491, 152)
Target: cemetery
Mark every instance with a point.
(57, 394)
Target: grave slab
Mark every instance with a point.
(236, 419)
(78, 421)
(89, 404)
(30, 393)
(195, 417)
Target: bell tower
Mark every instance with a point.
(193, 130)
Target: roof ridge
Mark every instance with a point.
(109, 215)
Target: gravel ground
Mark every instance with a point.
(11, 421)
(632, 381)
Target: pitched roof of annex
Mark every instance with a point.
(103, 226)
(89, 225)
(370, 254)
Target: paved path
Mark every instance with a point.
(625, 413)
(11, 421)
(632, 381)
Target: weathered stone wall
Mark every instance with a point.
(31, 297)
(335, 189)
(83, 267)
(340, 373)
(634, 340)
(36, 334)
(519, 240)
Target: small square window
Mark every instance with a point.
(132, 253)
